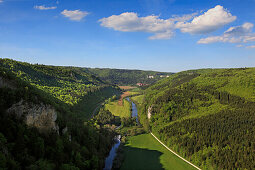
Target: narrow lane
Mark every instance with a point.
(174, 152)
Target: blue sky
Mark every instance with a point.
(162, 35)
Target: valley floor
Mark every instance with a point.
(145, 152)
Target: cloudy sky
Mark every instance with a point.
(163, 35)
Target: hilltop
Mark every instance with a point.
(127, 77)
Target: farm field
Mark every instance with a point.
(119, 110)
(145, 152)
(127, 87)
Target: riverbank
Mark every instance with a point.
(130, 109)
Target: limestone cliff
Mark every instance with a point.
(149, 112)
(6, 83)
(40, 116)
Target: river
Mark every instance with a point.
(134, 110)
(112, 154)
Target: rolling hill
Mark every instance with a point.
(206, 115)
(126, 77)
(44, 112)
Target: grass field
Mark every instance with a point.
(133, 93)
(119, 110)
(127, 87)
(138, 99)
(145, 152)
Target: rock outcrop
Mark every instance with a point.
(40, 116)
(149, 112)
(6, 83)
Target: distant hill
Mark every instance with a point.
(206, 115)
(127, 77)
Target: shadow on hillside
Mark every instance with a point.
(141, 159)
(90, 102)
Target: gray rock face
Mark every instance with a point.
(6, 83)
(40, 116)
(149, 112)
(64, 131)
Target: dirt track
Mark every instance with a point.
(125, 94)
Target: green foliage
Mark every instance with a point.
(41, 165)
(207, 116)
(68, 167)
(133, 130)
(119, 110)
(145, 152)
(126, 77)
(65, 83)
(138, 99)
(128, 121)
(83, 146)
(106, 117)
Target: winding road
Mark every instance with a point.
(94, 111)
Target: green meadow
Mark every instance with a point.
(145, 152)
(139, 99)
(119, 110)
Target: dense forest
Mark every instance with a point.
(206, 115)
(126, 77)
(77, 143)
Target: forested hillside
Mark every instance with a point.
(127, 77)
(74, 143)
(66, 84)
(207, 116)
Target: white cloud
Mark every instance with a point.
(238, 34)
(162, 35)
(1, 1)
(240, 30)
(249, 38)
(215, 39)
(130, 22)
(43, 7)
(239, 45)
(210, 21)
(252, 46)
(183, 18)
(75, 15)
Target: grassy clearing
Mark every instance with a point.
(137, 89)
(127, 87)
(138, 99)
(133, 93)
(145, 152)
(119, 110)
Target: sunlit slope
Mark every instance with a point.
(65, 83)
(206, 115)
(81, 91)
(66, 142)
